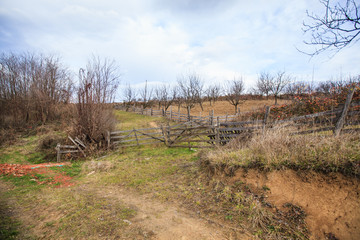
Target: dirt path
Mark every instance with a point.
(165, 221)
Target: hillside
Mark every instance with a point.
(257, 189)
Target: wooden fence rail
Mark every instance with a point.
(207, 131)
(78, 147)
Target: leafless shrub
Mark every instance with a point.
(98, 83)
(31, 85)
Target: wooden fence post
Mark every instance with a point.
(217, 131)
(170, 113)
(108, 139)
(267, 112)
(188, 111)
(151, 111)
(211, 113)
(137, 140)
(58, 152)
(340, 123)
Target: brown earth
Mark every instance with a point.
(331, 202)
(164, 220)
(154, 219)
(50, 177)
(222, 108)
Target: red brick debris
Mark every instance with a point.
(51, 177)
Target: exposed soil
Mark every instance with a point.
(50, 177)
(154, 219)
(163, 221)
(331, 202)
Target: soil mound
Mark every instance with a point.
(331, 202)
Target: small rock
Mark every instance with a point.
(127, 221)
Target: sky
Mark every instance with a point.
(158, 40)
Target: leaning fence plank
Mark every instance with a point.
(80, 142)
(136, 137)
(151, 136)
(341, 121)
(72, 140)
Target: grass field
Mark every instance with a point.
(136, 192)
(222, 108)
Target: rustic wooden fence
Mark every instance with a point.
(77, 147)
(136, 137)
(202, 132)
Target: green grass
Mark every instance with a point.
(89, 215)
(145, 166)
(73, 171)
(24, 151)
(9, 227)
(128, 120)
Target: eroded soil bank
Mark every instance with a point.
(331, 202)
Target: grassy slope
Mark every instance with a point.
(167, 174)
(67, 212)
(276, 150)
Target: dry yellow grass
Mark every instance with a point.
(222, 108)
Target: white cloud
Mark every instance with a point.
(157, 40)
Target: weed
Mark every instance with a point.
(276, 150)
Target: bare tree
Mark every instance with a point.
(297, 88)
(268, 84)
(32, 87)
(336, 29)
(130, 96)
(263, 83)
(146, 95)
(165, 95)
(234, 93)
(97, 87)
(191, 89)
(278, 84)
(213, 93)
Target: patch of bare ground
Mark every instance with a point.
(166, 220)
(223, 107)
(54, 217)
(331, 202)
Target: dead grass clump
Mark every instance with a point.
(7, 136)
(99, 166)
(49, 141)
(277, 149)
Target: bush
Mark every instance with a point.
(98, 83)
